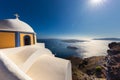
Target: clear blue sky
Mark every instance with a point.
(66, 18)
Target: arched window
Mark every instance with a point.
(27, 40)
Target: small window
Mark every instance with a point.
(27, 40)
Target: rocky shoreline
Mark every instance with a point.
(88, 68)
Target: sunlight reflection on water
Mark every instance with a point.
(93, 48)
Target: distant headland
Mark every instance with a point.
(73, 40)
(116, 39)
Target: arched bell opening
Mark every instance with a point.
(27, 40)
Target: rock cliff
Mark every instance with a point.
(113, 61)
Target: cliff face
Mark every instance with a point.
(113, 61)
(88, 68)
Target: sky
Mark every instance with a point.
(66, 18)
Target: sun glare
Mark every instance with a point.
(96, 2)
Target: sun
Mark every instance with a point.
(96, 2)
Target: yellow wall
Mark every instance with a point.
(7, 39)
(22, 38)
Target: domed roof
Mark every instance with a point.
(15, 25)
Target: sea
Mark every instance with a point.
(82, 49)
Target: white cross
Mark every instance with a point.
(16, 15)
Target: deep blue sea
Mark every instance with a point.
(84, 49)
(58, 47)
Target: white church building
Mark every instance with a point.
(22, 58)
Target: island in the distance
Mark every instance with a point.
(116, 39)
(72, 47)
(73, 40)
